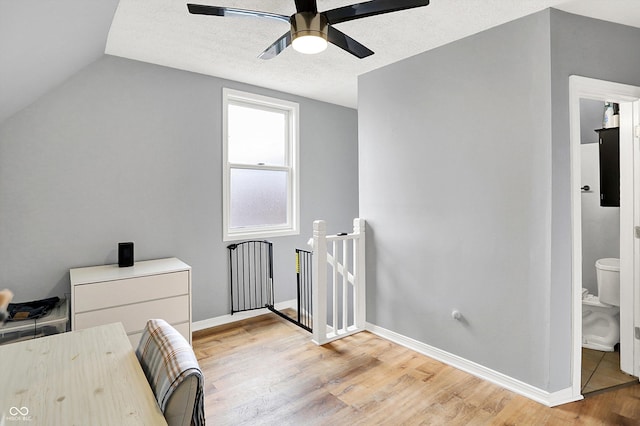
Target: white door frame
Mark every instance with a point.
(588, 88)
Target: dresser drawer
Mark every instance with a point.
(135, 317)
(89, 297)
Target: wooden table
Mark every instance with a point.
(84, 377)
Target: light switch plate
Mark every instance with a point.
(637, 231)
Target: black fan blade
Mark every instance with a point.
(199, 9)
(345, 42)
(278, 46)
(370, 8)
(306, 6)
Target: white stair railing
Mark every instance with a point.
(339, 288)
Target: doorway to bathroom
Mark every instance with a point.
(604, 230)
(600, 202)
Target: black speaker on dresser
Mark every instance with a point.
(125, 254)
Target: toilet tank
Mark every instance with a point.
(608, 277)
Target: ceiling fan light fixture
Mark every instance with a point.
(309, 32)
(309, 44)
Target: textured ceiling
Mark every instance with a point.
(163, 32)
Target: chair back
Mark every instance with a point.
(173, 373)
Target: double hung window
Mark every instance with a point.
(260, 154)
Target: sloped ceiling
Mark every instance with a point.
(44, 42)
(164, 33)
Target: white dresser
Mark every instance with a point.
(149, 289)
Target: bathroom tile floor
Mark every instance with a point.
(601, 371)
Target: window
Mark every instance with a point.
(260, 154)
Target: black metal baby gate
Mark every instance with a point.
(251, 279)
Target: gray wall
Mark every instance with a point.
(125, 151)
(590, 48)
(455, 176)
(464, 181)
(591, 113)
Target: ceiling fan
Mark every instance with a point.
(312, 30)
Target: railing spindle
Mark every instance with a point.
(345, 288)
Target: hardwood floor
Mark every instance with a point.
(265, 370)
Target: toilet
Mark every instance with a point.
(601, 314)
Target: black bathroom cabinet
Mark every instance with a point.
(609, 150)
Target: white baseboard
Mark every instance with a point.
(228, 319)
(550, 399)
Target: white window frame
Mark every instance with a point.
(292, 160)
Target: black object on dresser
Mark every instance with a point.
(125, 254)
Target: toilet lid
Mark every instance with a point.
(608, 264)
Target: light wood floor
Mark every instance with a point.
(265, 370)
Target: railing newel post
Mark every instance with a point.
(359, 226)
(319, 287)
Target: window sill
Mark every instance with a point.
(259, 235)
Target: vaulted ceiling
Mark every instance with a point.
(44, 42)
